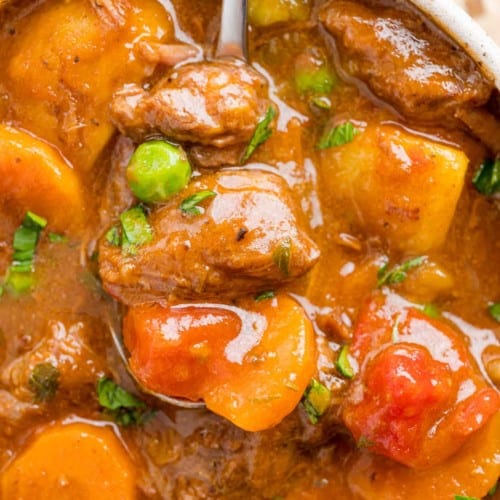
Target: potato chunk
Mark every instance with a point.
(63, 61)
(400, 186)
(265, 12)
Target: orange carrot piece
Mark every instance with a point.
(71, 462)
(35, 177)
(250, 364)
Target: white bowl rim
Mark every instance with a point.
(466, 32)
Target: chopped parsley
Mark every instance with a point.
(398, 273)
(337, 136)
(44, 382)
(189, 205)
(121, 405)
(343, 365)
(281, 256)
(262, 132)
(269, 294)
(316, 400)
(19, 275)
(494, 311)
(487, 178)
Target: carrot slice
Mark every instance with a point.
(250, 364)
(34, 176)
(73, 461)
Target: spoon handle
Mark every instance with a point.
(233, 29)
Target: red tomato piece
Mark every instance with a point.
(419, 394)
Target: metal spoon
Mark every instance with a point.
(232, 43)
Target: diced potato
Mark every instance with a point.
(65, 61)
(267, 12)
(400, 186)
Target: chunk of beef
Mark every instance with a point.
(66, 349)
(249, 238)
(216, 103)
(403, 61)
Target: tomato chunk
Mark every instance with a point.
(250, 364)
(419, 394)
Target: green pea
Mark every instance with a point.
(157, 171)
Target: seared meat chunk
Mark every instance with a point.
(249, 237)
(216, 103)
(403, 61)
(66, 349)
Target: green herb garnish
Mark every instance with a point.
(19, 275)
(281, 256)
(316, 400)
(136, 229)
(398, 273)
(269, 294)
(462, 497)
(337, 136)
(122, 406)
(261, 134)
(189, 205)
(487, 178)
(494, 311)
(343, 365)
(44, 382)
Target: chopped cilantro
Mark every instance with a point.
(337, 136)
(261, 134)
(487, 178)
(343, 365)
(269, 294)
(398, 273)
(44, 381)
(281, 256)
(122, 406)
(189, 205)
(316, 400)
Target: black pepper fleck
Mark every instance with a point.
(241, 234)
